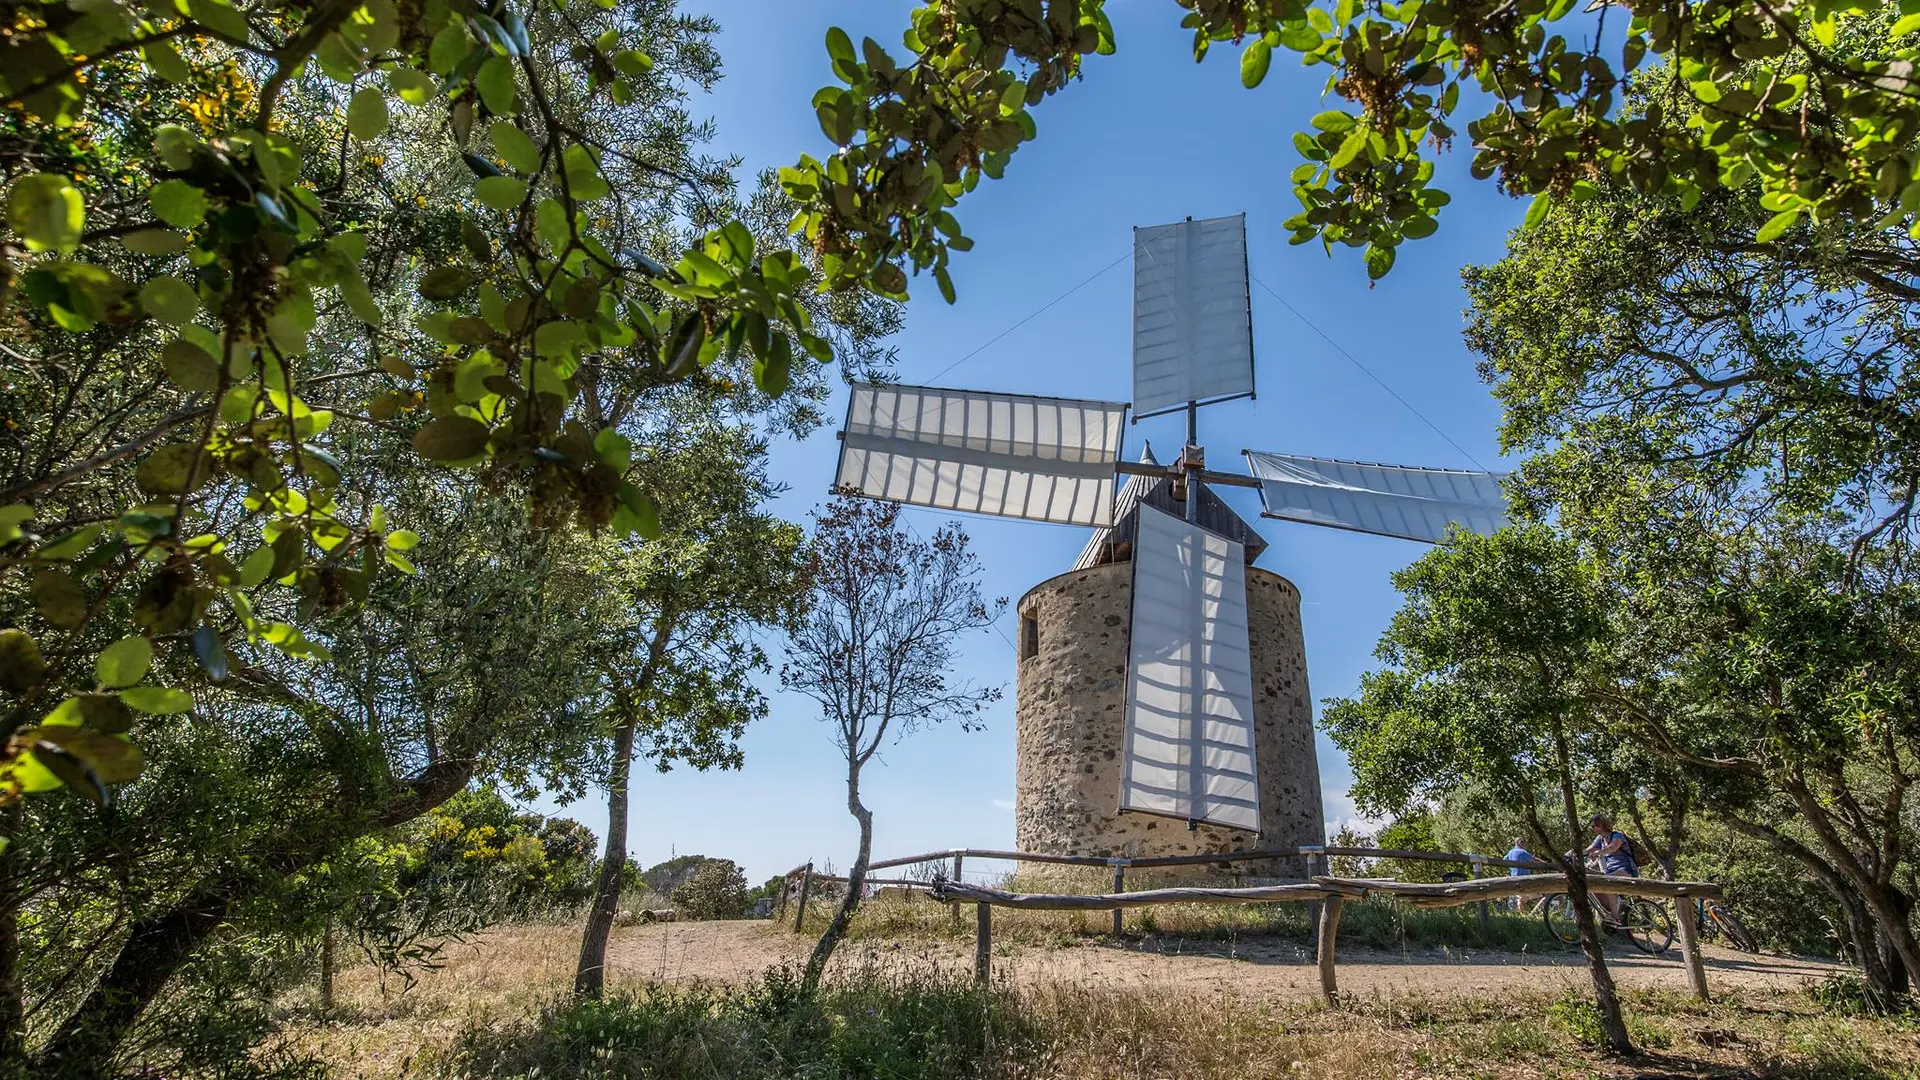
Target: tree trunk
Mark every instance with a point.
(326, 969)
(13, 1022)
(1591, 943)
(157, 948)
(1886, 976)
(590, 978)
(856, 881)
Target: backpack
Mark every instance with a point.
(1642, 858)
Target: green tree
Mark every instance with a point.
(1812, 102)
(1487, 666)
(1725, 422)
(678, 646)
(876, 652)
(717, 890)
(238, 236)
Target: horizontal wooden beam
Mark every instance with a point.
(1457, 893)
(955, 893)
(1418, 894)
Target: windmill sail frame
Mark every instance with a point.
(1192, 315)
(1188, 750)
(1401, 501)
(977, 451)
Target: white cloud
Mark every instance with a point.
(1000, 804)
(1339, 810)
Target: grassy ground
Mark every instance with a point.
(923, 1024)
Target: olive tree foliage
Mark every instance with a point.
(1484, 689)
(1721, 411)
(1753, 93)
(234, 233)
(679, 650)
(877, 649)
(469, 669)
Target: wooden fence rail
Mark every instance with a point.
(1332, 893)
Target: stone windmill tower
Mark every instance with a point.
(1163, 706)
(1071, 701)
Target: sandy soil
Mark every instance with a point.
(1255, 968)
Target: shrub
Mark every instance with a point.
(717, 890)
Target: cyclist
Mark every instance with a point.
(1615, 857)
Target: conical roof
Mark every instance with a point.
(1115, 543)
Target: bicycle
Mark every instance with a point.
(1714, 920)
(1645, 922)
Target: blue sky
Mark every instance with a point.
(1146, 137)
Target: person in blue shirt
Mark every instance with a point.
(1519, 853)
(1615, 857)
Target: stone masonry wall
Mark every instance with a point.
(1070, 712)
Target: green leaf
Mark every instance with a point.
(495, 83)
(515, 148)
(1379, 261)
(178, 203)
(451, 440)
(500, 192)
(210, 652)
(444, 284)
(170, 300)
(403, 540)
(257, 567)
(839, 45)
(124, 662)
(47, 211)
(367, 117)
(1777, 224)
(1333, 120)
(174, 470)
(1254, 62)
(59, 599)
(414, 87)
(159, 700)
(165, 62)
(1350, 148)
(154, 242)
(1537, 212)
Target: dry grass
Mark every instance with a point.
(492, 1012)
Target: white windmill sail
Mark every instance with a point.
(1043, 459)
(1390, 500)
(1189, 717)
(1192, 318)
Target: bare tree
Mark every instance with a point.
(877, 649)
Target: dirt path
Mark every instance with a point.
(1253, 967)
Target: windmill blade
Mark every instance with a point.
(1189, 717)
(1010, 455)
(1390, 500)
(1192, 316)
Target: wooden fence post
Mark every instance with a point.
(806, 888)
(1119, 886)
(1474, 868)
(983, 943)
(953, 910)
(786, 890)
(1324, 948)
(1685, 913)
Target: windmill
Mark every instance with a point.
(1189, 733)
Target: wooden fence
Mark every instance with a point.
(1329, 893)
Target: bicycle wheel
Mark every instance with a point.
(1737, 934)
(1648, 924)
(1561, 923)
